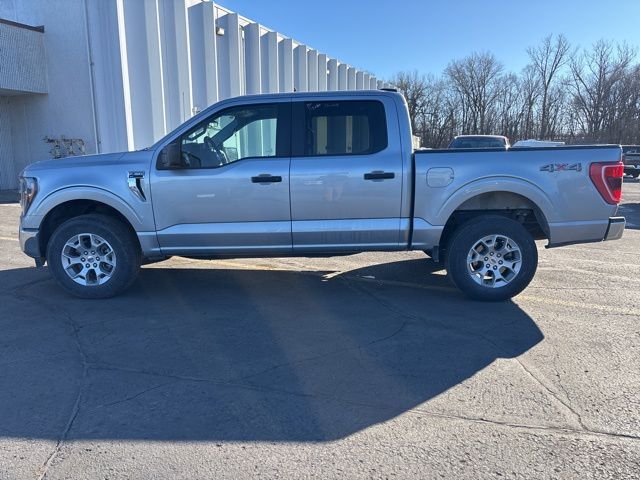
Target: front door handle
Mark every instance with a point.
(379, 175)
(266, 178)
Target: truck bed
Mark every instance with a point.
(553, 180)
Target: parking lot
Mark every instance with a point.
(349, 367)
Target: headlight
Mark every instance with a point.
(28, 190)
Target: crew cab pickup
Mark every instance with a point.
(305, 174)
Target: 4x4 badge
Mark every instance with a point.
(561, 167)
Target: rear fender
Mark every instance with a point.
(497, 184)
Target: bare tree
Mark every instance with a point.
(475, 79)
(507, 106)
(529, 85)
(624, 119)
(436, 124)
(591, 95)
(414, 88)
(595, 76)
(547, 60)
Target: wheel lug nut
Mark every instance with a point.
(491, 254)
(98, 258)
(488, 265)
(498, 255)
(486, 259)
(95, 265)
(86, 253)
(82, 259)
(500, 262)
(92, 252)
(495, 268)
(87, 265)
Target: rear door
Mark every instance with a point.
(346, 174)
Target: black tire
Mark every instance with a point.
(467, 235)
(122, 240)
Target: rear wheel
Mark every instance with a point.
(93, 256)
(491, 258)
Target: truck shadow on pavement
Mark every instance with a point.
(244, 355)
(631, 211)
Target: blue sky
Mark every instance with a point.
(388, 36)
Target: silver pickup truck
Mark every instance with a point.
(306, 174)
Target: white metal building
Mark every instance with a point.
(86, 76)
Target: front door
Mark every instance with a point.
(229, 192)
(346, 176)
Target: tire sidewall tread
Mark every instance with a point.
(470, 232)
(124, 243)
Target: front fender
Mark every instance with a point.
(38, 211)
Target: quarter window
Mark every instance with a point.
(344, 128)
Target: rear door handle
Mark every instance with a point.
(379, 175)
(266, 178)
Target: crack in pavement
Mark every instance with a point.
(44, 468)
(133, 397)
(553, 394)
(14, 290)
(414, 411)
(566, 392)
(75, 409)
(566, 404)
(237, 383)
(327, 354)
(491, 342)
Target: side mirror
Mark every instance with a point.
(170, 158)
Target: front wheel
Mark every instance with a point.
(93, 256)
(491, 258)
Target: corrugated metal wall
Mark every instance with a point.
(177, 57)
(7, 170)
(22, 60)
(120, 74)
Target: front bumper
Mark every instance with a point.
(615, 228)
(30, 244)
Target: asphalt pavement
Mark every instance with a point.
(366, 366)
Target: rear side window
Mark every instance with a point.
(352, 127)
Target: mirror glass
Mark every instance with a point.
(170, 156)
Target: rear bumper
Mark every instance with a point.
(615, 228)
(571, 233)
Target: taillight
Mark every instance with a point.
(607, 177)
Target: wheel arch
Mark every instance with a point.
(529, 207)
(69, 209)
(504, 189)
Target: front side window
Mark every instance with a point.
(351, 127)
(247, 131)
